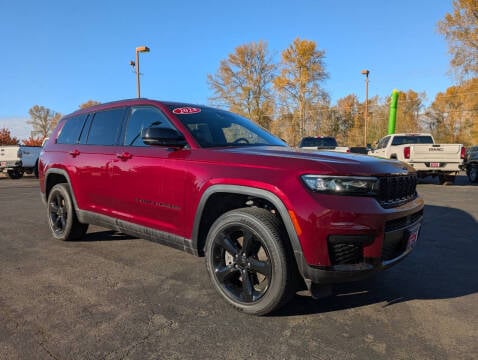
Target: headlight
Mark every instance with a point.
(342, 185)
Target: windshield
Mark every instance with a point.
(218, 128)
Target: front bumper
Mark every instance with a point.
(398, 242)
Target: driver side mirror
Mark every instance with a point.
(163, 137)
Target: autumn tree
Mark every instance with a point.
(460, 29)
(298, 84)
(43, 120)
(346, 119)
(33, 141)
(408, 109)
(6, 137)
(453, 115)
(243, 82)
(378, 112)
(89, 103)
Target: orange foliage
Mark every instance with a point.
(6, 138)
(31, 141)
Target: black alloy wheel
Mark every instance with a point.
(62, 219)
(246, 260)
(241, 264)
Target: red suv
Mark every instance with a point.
(268, 218)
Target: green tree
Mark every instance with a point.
(298, 84)
(243, 82)
(6, 138)
(460, 29)
(43, 120)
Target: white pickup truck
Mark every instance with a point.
(16, 160)
(421, 152)
(321, 143)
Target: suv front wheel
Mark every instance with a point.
(247, 261)
(62, 219)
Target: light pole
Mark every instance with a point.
(135, 64)
(365, 72)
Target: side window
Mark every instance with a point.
(70, 132)
(142, 117)
(105, 127)
(383, 143)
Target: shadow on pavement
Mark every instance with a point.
(443, 265)
(106, 235)
(460, 180)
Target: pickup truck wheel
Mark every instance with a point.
(15, 174)
(473, 174)
(446, 179)
(62, 219)
(247, 261)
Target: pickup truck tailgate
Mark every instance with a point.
(437, 152)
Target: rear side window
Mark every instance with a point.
(402, 140)
(70, 132)
(105, 127)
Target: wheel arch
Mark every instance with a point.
(57, 176)
(208, 211)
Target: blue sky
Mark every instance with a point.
(60, 54)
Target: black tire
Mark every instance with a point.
(15, 174)
(64, 224)
(247, 261)
(35, 170)
(472, 173)
(446, 179)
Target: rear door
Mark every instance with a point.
(95, 155)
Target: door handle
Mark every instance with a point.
(124, 156)
(74, 153)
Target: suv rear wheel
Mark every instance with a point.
(247, 261)
(62, 219)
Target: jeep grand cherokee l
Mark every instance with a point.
(268, 218)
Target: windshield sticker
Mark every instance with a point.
(186, 110)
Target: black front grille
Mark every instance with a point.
(345, 254)
(402, 222)
(347, 249)
(397, 190)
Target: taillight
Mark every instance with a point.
(406, 152)
(463, 152)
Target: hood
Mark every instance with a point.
(327, 162)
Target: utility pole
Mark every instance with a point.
(365, 72)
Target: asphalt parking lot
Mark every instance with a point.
(115, 297)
